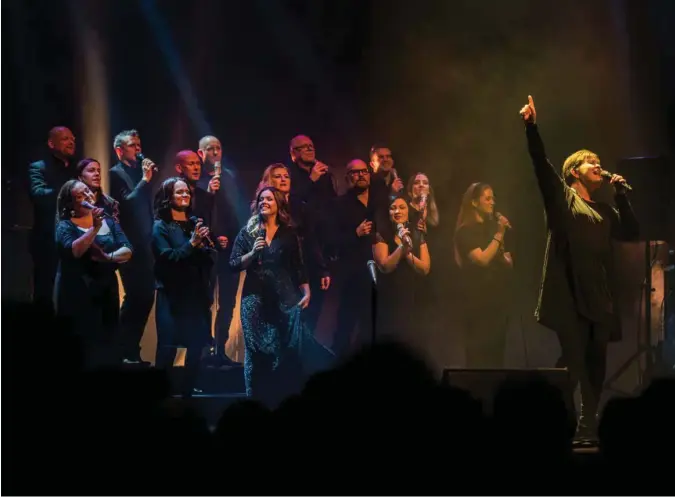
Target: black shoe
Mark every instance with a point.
(135, 361)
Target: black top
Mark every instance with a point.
(45, 178)
(483, 286)
(136, 204)
(278, 270)
(578, 274)
(222, 219)
(83, 277)
(347, 213)
(400, 292)
(181, 269)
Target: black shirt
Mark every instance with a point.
(135, 209)
(482, 285)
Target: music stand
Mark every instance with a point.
(652, 205)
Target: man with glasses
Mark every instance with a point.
(352, 231)
(313, 186)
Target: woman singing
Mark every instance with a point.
(423, 208)
(275, 291)
(401, 253)
(183, 260)
(486, 265)
(89, 172)
(90, 249)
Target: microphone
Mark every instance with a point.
(406, 239)
(140, 158)
(372, 269)
(207, 238)
(262, 233)
(217, 169)
(423, 205)
(91, 207)
(499, 215)
(607, 175)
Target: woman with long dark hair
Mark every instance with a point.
(275, 292)
(88, 171)
(183, 261)
(486, 266)
(401, 253)
(91, 246)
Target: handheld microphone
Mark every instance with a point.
(607, 175)
(372, 269)
(207, 238)
(140, 158)
(91, 207)
(498, 215)
(217, 169)
(261, 233)
(406, 239)
(423, 205)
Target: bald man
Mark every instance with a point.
(189, 167)
(352, 230)
(313, 187)
(225, 222)
(46, 177)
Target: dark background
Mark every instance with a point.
(439, 81)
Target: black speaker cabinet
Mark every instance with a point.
(482, 384)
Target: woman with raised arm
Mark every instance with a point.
(91, 246)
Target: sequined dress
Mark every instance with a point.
(280, 350)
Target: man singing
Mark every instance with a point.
(313, 187)
(46, 177)
(130, 186)
(223, 222)
(577, 298)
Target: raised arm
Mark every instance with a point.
(551, 185)
(121, 192)
(244, 250)
(385, 261)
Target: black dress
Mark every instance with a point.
(87, 291)
(280, 349)
(400, 294)
(182, 310)
(486, 294)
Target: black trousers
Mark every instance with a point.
(485, 337)
(313, 311)
(188, 329)
(354, 310)
(139, 295)
(584, 353)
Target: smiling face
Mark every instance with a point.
(398, 211)
(267, 204)
(180, 199)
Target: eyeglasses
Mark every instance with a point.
(306, 146)
(359, 172)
